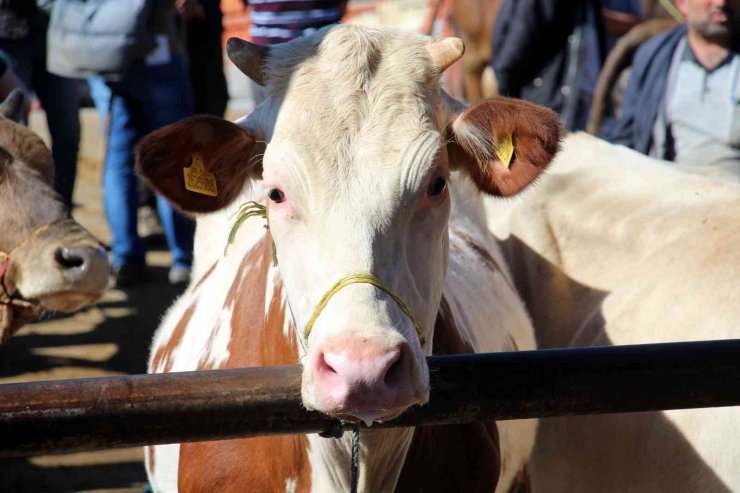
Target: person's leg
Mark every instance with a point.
(60, 98)
(167, 100)
(119, 183)
(100, 94)
(179, 231)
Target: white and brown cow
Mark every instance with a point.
(366, 167)
(613, 247)
(47, 260)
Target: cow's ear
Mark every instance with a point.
(199, 164)
(504, 144)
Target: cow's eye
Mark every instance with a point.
(276, 195)
(437, 186)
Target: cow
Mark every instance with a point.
(373, 253)
(613, 247)
(48, 262)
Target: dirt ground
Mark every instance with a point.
(110, 338)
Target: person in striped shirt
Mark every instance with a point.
(278, 21)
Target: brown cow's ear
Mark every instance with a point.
(495, 131)
(199, 164)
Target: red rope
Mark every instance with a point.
(3, 270)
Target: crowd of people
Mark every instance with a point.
(681, 99)
(153, 62)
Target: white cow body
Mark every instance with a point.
(613, 247)
(377, 256)
(465, 285)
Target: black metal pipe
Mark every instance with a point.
(97, 413)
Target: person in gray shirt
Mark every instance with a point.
(682, 101)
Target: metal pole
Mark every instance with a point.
(96, 413)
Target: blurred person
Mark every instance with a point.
(619, 17)
(278, 22)
(152, 90)
(682, 101)
(550, 52)
(23, 25)
(202, 23)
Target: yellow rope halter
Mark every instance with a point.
(255, 209)
(5, 257)
(360, 279)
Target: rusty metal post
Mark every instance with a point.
(96, 413)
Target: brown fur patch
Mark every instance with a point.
(205, 276)
(454, 457)
(229, 153)
(254, 464)
(173, 342)
(149, 452)
(535, 131)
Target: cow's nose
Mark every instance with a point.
(79, 263)
(365, 379)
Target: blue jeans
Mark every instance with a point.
(148, 98)
(60, 98)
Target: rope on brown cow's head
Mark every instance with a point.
(6, 298)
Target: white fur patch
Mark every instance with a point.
(290, 485)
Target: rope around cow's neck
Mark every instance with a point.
(354, 468)
(336, 430)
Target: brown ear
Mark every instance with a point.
(534, 131)
(228, 154)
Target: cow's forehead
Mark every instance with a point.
(346, 80)
(346, 97)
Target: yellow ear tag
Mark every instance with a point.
(198, 179)
(504, 150)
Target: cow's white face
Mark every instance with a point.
(360, 142)
(381, 210)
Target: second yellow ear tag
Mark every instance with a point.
(198, 179)
(504, 149)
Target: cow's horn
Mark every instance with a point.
(12, 107)
(446, 51)
(248, 57)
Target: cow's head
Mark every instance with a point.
(353, 148)
(47, 260)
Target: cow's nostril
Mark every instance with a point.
(395, 371)
(69, 258)
(324, 365)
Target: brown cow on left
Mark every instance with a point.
(48, 262)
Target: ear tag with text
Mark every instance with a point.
(504, 150)
(198, 179)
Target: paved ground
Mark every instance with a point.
(111, 338)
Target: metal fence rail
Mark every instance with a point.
(97, 413)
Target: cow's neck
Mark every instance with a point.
(382, 454)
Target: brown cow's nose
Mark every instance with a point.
(80, 262)
(365, 379)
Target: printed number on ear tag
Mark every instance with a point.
(504, 150)
(198, 179)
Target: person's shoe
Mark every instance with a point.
(148, 222)
(179, 275)
(129, 275)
